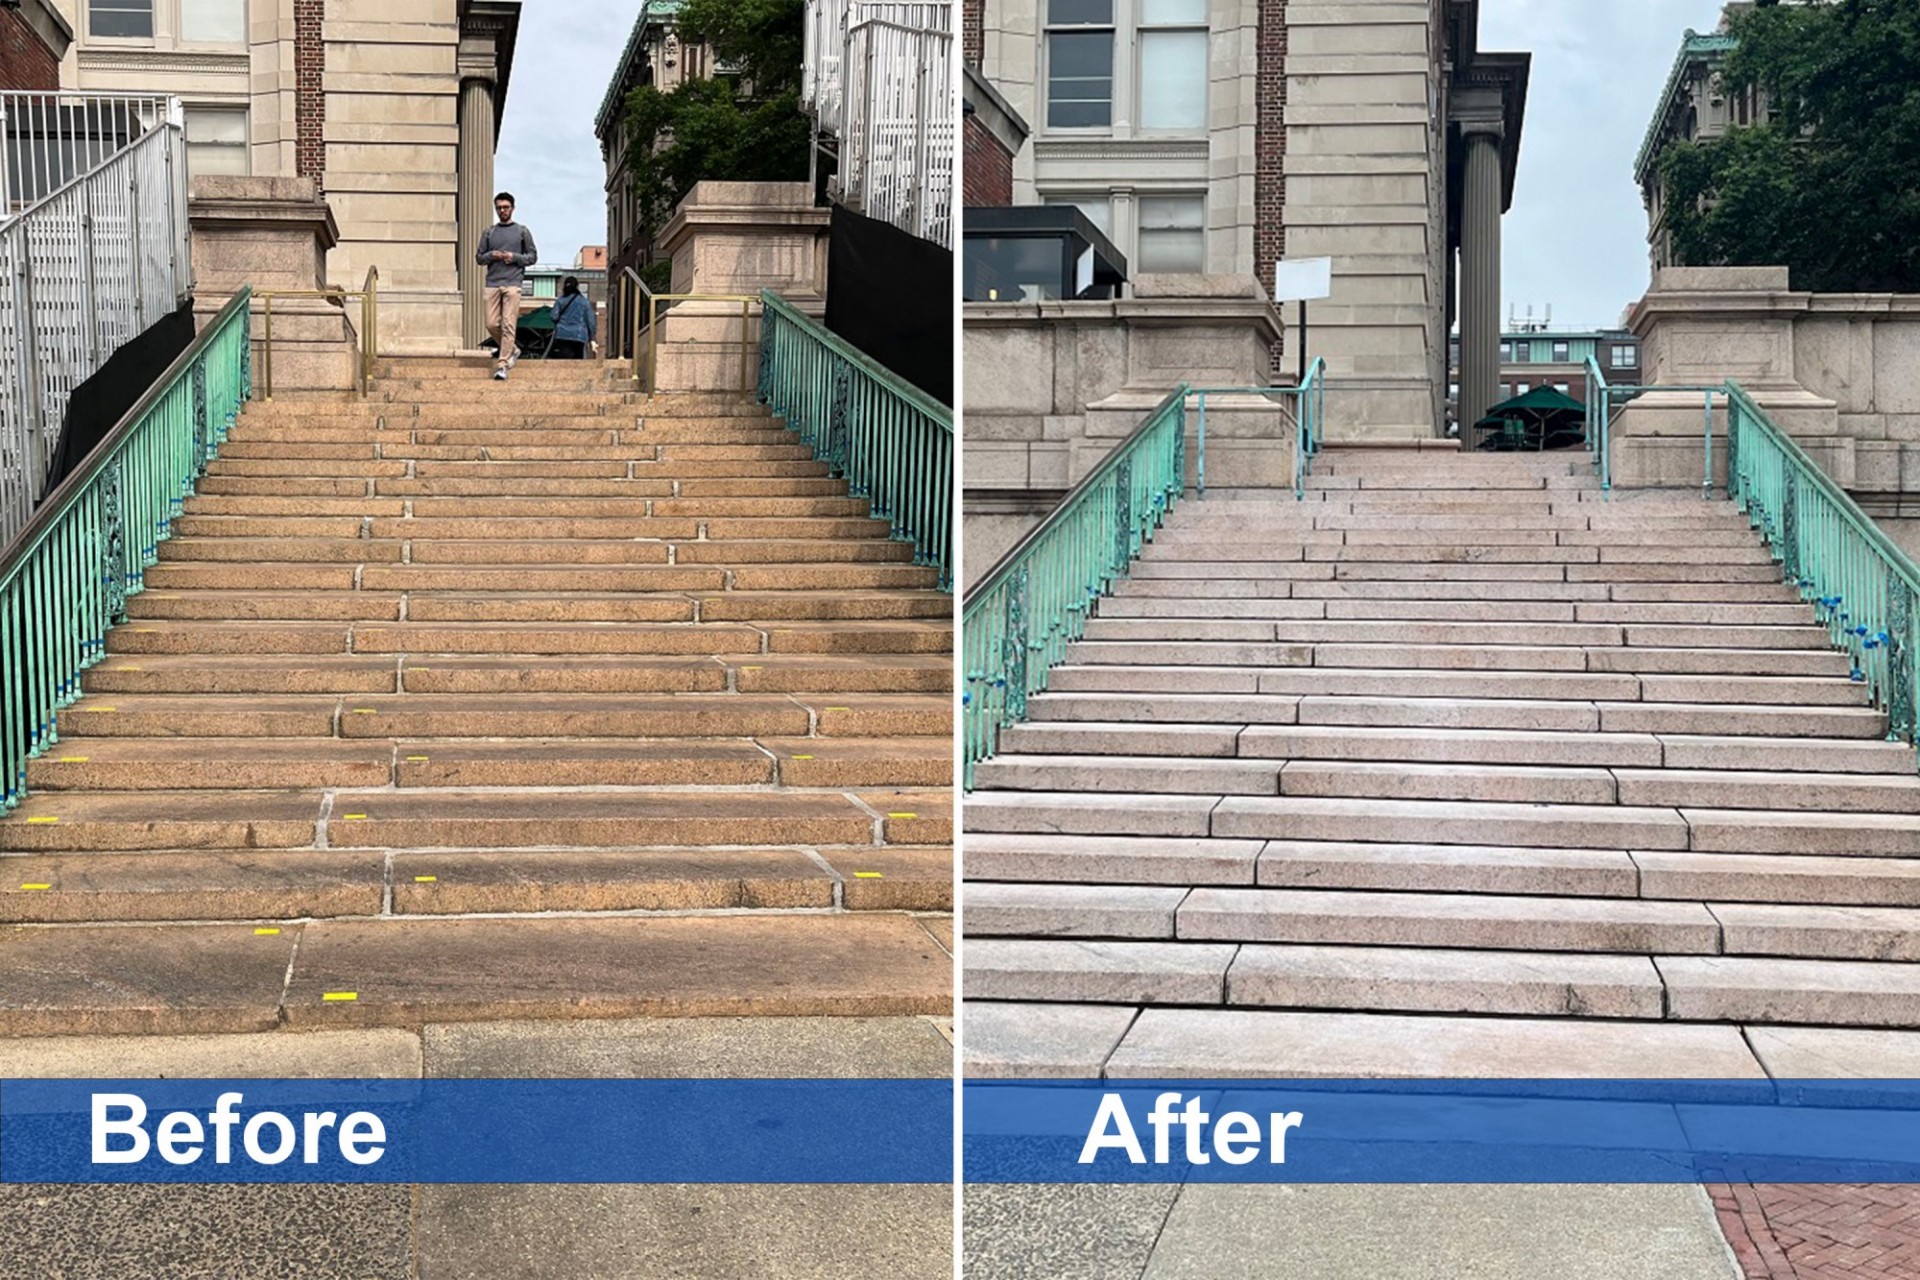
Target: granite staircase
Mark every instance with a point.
(1459, 766)
(482, 700)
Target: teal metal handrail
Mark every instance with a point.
(1601, 397)
(1018, 620)
(1309, 403)
(892, 441)
(1862, 586)
(65, 577)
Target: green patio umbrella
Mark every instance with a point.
(1543, 418)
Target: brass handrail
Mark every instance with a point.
(368, 336)
(654, 300)
(630, 310)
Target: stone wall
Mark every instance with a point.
(1052, 387)
(1840, 372)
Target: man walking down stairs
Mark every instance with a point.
(1458, 767)
(450, 718)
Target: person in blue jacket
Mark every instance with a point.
(574, 325)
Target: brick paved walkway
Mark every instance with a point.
(1791, 1231)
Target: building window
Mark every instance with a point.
(1522, 352)
(1098, 210)
(1506, 391)
(1453, 391)
(123, 19)
(1561, 387)
(1079, 64)
(1506, 352)
(213, 21)
(1173, 65)
(217, 140)
(1173, 235)
(1626, 356)
(1561, 352)
(1521, 388)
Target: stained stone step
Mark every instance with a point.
(1402, 979)
(1479, 921)
(196, 979)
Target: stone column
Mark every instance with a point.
(1479, 276)
(475, 200)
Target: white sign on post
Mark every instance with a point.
(1301, 279)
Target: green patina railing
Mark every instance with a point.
(1309, 407)
(892, 441)
(66, 576)
(1862, 586)
(1017, 622)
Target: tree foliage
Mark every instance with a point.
(744, 126)
(1830, 185)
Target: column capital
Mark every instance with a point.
(1492, 130)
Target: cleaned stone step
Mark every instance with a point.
(1480, 921)
(1450, 714)
(1585, 873)
(1269, 1044)
(1797, 789)
(1097, 972)
(1823, 992)
(1779, 878)
(1781, 720)
(1819, 931)
(1170, 709)
(1443, 746)
(1048, 813)
(1119, 738)
(1508, 783)
(1107, 859)
(1071, 910)
(1441, 822)
(1400, 979)
(1783, 831)
(1125, 775)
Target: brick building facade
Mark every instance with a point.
(33, 39)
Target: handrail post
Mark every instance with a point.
(266, 361)
(1706, 473)
(653, 339)
(1200, 450)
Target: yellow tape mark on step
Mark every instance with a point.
(36, 886)
(426, 879)
(42, 820)
(353, 817)
(802, 757)
(416, 759)
(74, 759)
(839, 708)
(265, 933)
(903, 815)
(335, 996)
(126, 668)
(101, 710)
(868, 875)
(366, 711)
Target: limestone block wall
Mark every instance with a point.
(1364, 164)
(392, 147)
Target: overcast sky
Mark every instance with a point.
(548, 157)
(1576, 236)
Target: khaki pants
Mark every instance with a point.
(503, 317)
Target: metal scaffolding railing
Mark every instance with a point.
(878, 78)
(84, 268)
(47, 139)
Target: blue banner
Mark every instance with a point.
(1441, 1131)
(398, 1131)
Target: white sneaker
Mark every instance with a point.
(513, 360)
(500, 373)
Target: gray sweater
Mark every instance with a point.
(515, 239)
